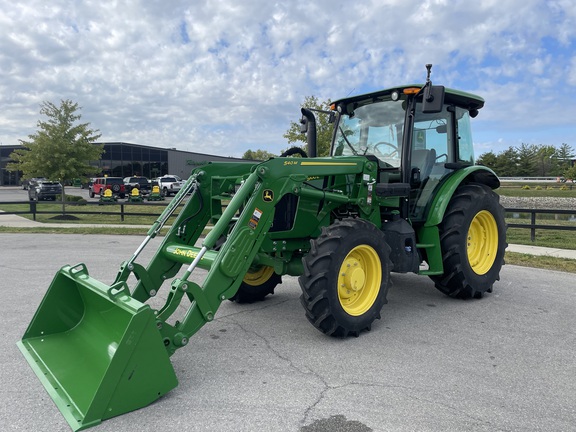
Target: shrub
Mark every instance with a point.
(526, 187)
(538, 188)
(72, 198)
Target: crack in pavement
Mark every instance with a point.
(459, 411)
(230, 320)
(246, 310)
(306, 372)
(408, 391)
(326, 388)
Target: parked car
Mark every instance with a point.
(100, 184)
(26, 183)
(169, 184)
(141, 183)
(88, 184)
(43, 190)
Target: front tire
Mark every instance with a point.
(473, 242)
(256, 285)
(346, 278)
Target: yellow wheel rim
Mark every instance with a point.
(482, 242)
(259, 276)
(359, 280)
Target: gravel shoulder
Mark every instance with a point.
(538, 203)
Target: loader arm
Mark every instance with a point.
(250, 213)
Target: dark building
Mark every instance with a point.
(124, 159)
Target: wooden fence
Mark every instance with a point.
(120, 210)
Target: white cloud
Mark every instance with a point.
(570, 72)
(228, 76)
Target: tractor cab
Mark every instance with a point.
(418, 134)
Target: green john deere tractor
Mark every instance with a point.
(399, 193)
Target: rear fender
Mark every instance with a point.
(471, 174)
(428, 234)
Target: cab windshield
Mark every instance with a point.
(372, 129)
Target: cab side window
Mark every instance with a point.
(465, 144)
(431, 132)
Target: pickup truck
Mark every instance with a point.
(169, 184)
(141, 183)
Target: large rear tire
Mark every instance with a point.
(346, 278)
(256, 285)
(473, 242)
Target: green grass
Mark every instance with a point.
(545, 238)
(95, 215)
(112, 230)
(555, 193)
(543, 262)
(546, 190)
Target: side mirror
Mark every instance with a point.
(433, 99)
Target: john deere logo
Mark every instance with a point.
(268, 195)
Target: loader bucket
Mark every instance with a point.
(96, 350)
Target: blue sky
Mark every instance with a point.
(224, 76)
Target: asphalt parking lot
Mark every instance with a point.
(505, 362)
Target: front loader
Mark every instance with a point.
(399, 193)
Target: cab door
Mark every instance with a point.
(432, 148)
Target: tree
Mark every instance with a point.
(258, 155)
(527, 160)
(507, 163)
(61, 149)
(488, 159)
(564, 157)
(545, 160)
(323, 126)
(570, 173)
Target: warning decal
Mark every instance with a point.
(253, 223)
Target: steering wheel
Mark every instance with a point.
(393, 153)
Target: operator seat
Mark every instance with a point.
(424, 160)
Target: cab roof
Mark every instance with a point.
(459, 98)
